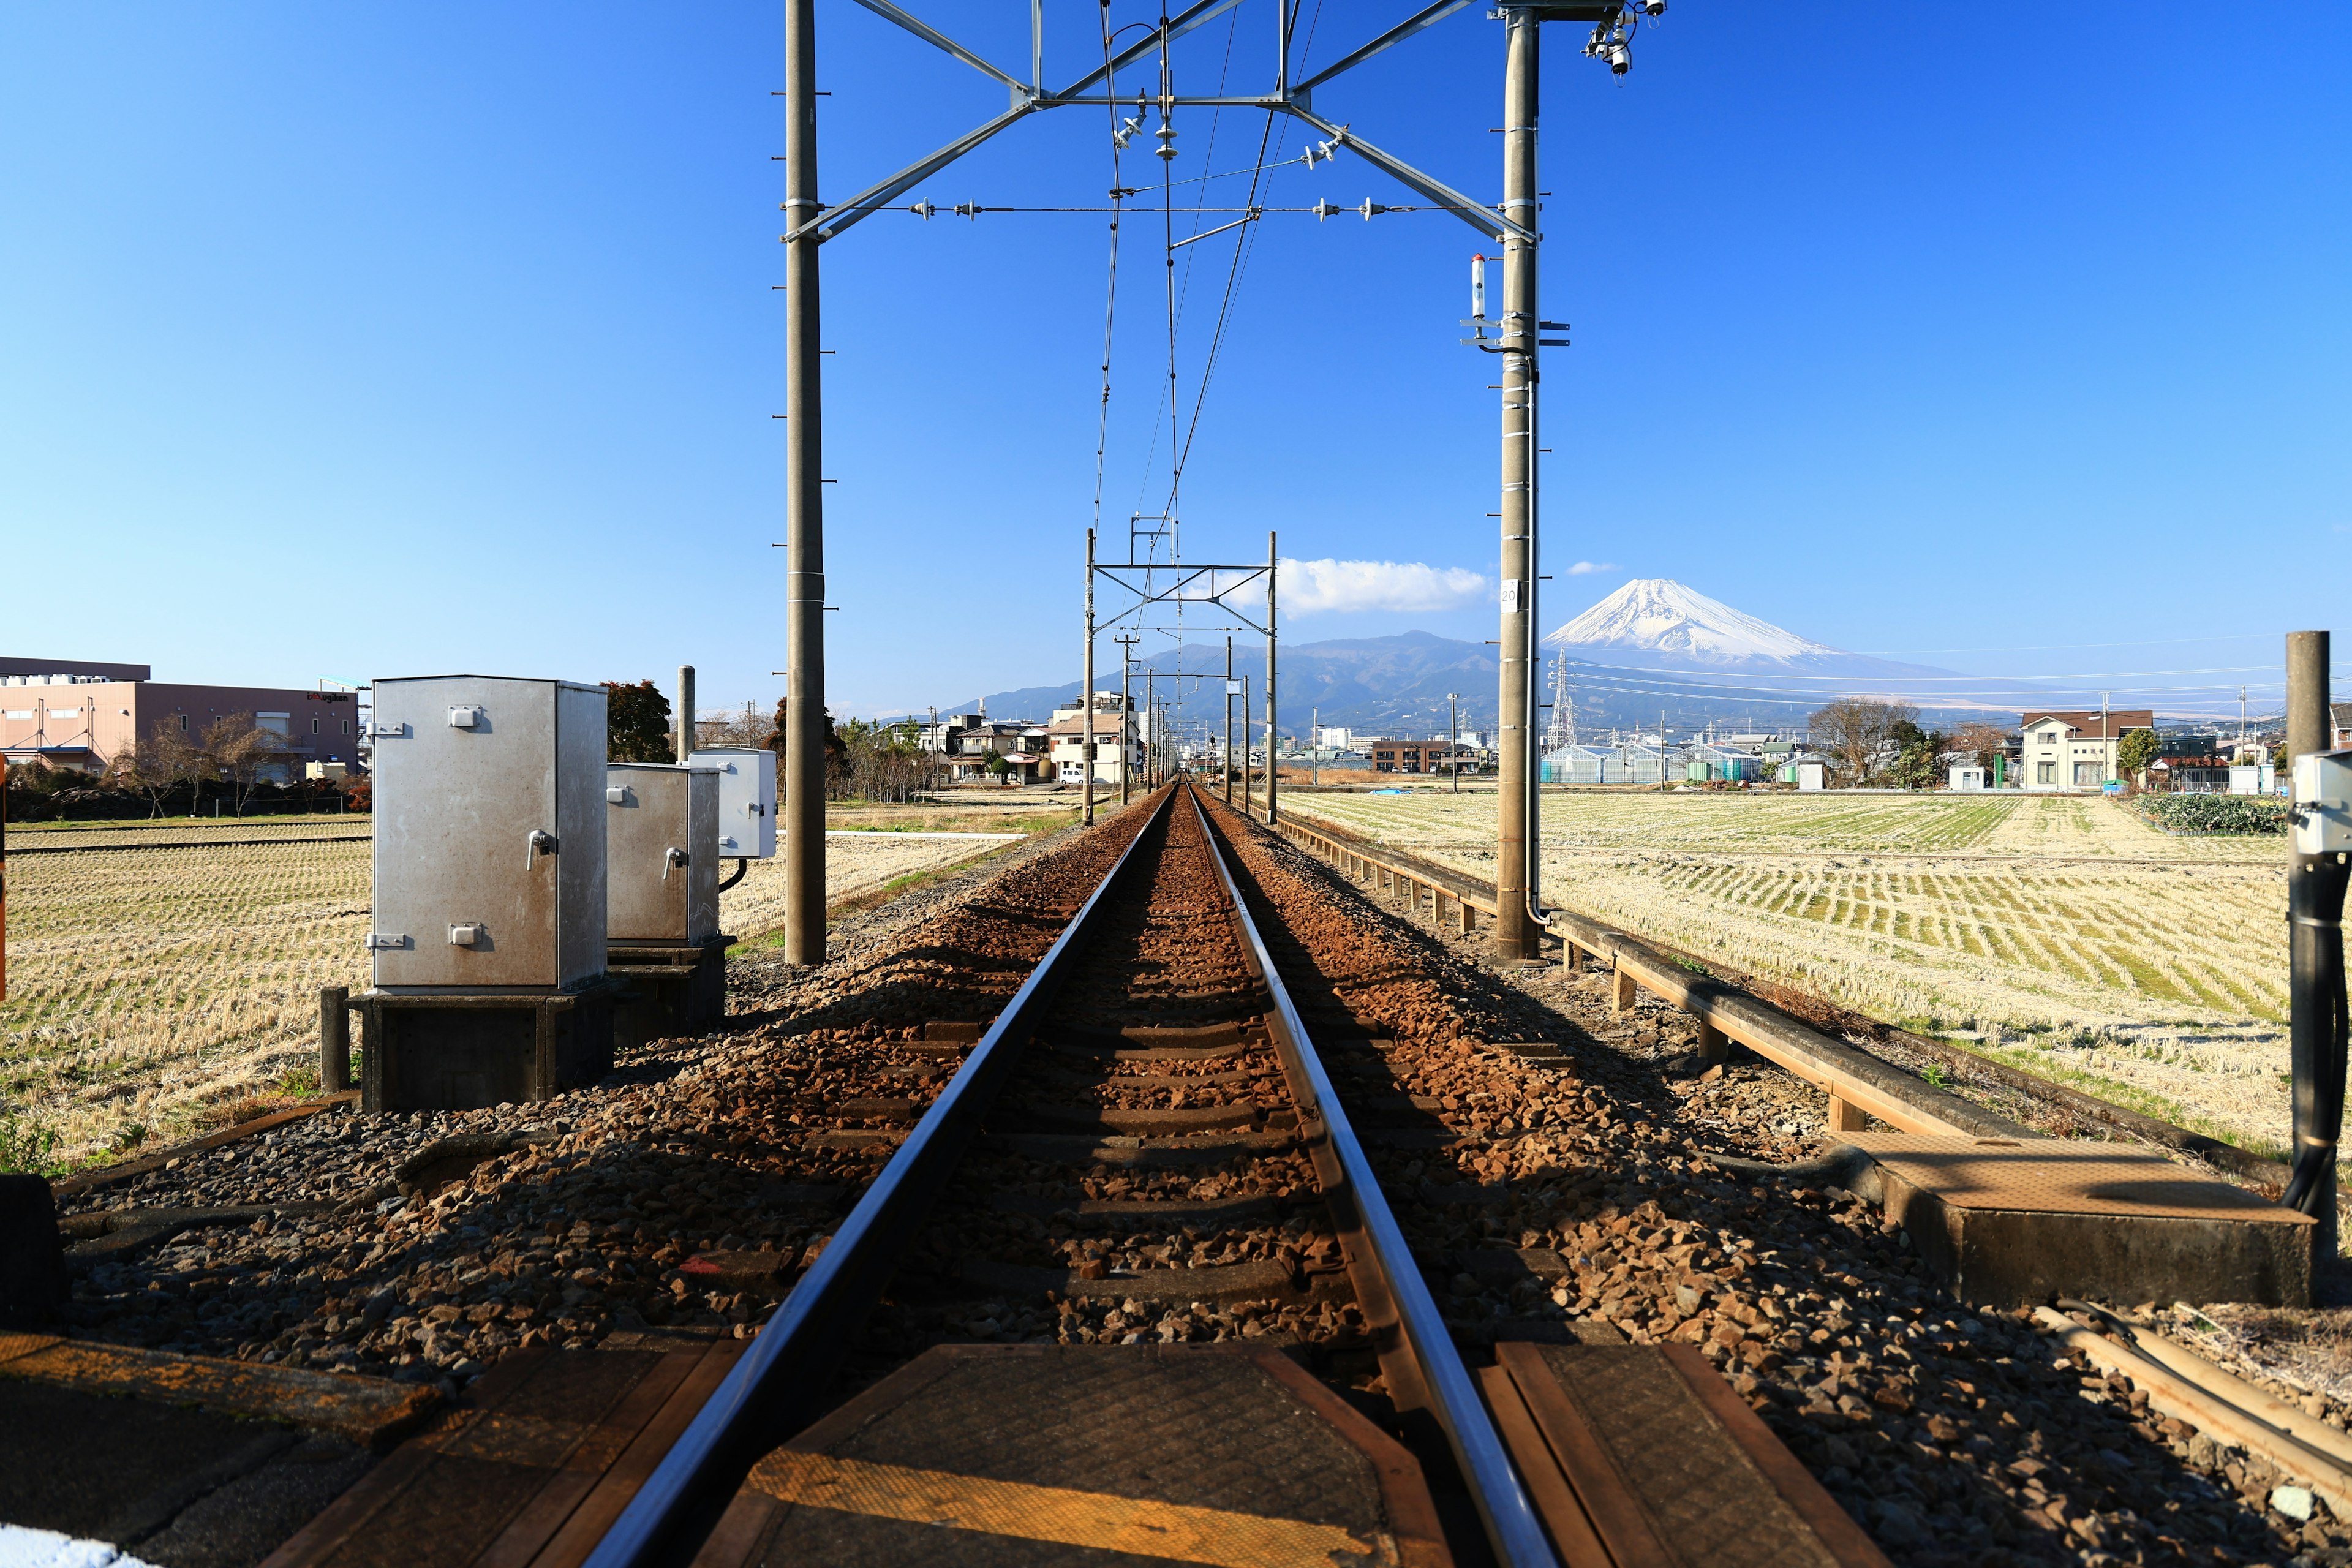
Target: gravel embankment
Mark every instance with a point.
(1955, 1436)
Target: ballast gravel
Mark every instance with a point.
(1565, 1178)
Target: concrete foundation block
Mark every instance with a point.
(2012, 1221)
(466, 1052)
(32, 1283)
(672, 991)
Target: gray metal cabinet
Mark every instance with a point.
(746, 800)
(489, 839)
(661, 850)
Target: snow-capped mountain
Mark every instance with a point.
(1655, 623)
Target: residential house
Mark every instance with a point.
(1119, 745)
(1390, 756)
(2076, 751)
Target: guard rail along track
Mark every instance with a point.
(692, 1504)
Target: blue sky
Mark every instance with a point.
(374, 339)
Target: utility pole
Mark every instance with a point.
(804, 506)
(1245, 742)
(1087, 696)
(1315, 744)
(1272, 741)
(1515, 932)
(1126, 662)
(1453, 740)
(685, 711)
(931, 751)
(1228, 753)
(2314, 891)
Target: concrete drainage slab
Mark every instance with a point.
(2007, 1221)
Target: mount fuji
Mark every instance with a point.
(1657, 623)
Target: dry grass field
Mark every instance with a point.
(151, 988)
(2063, 933)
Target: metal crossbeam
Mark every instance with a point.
(1028, 98)
(1405, 30)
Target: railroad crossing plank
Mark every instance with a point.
(1085, 1456)
(1667, 1468)
(545, 1454)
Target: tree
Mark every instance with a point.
(1917, 754)
(1855, 729)
(1984, 741)
(242, 754)
(637, 723)
(162, 759)
(2137, 750)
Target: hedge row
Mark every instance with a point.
(2239, 814)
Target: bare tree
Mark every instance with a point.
(746, 727)
(1855, 730)
(1982, 740)
(242, 754)
(157, 765)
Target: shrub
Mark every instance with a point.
(2217, 814)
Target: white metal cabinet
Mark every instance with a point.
(746, 800)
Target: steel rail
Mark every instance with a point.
(767, 1396)
(1504, 1507)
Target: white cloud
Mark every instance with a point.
(1309, 587)
(1587, 568)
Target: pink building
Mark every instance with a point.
(78, 714)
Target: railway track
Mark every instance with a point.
(1153, 1119)
(1081, 1259)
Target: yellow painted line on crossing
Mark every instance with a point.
(1139, 1526)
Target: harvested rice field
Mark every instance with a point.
(151, 988)
(2062, 933)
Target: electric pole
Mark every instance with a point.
(1515, 932)
(1087, 696)
(1273, 741)
(1126, 662)
(1228, 768)
(1453, 741)
(804, 506)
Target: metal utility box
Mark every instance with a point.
(489, 835)
(661, 840)
(661, 854)
(2321, 814)
(746, 800)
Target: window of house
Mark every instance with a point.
(2087, 773)
(314, 726)
(183, 723)
(2046, 772)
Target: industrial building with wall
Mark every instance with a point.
(78, 714)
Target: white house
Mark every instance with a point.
(1117, 744)
(2076, 751)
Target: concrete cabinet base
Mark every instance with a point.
(673, 989)
(464, 1053)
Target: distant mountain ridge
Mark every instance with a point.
(1655, 623)
(1653, 649)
